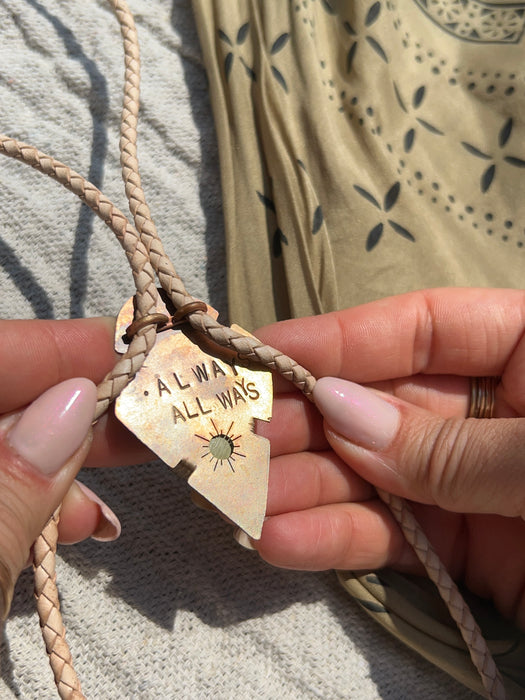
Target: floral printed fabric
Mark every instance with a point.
(367, 148)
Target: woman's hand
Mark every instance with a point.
(408, 435)
(52, 366)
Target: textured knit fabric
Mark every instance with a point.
(174, 609)
(367, 148)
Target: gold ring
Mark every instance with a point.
(482, 397)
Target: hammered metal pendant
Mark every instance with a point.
(195, 409)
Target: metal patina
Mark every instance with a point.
(194, 406)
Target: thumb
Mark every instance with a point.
(462, 465)
(41, 451)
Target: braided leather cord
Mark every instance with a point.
(250, 348)
(146, 256)
(53, 630)
(143, 274)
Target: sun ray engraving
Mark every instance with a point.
(221, 446)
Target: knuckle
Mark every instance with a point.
(451, 452)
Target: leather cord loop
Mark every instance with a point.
(482, 397)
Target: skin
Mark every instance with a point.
(420, 348)
(34, 356)
(323, 510)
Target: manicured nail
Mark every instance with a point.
(242, 538)
(109, 527)
(54, 426)
(357, 413)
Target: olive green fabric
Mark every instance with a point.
(367, 148)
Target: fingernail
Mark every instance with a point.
(242, 538)
(54, 426)
(109, 527)
(357, 413)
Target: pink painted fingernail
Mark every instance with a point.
(109, 527)
(357, 413)
(54, 426)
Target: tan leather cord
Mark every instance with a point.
(45, 548)
(147, 257)
(53, 630)
(143, 273)
(460, 612)
(143, 221)
(245, 347)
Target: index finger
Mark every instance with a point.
(470, 332)
(37, 354)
